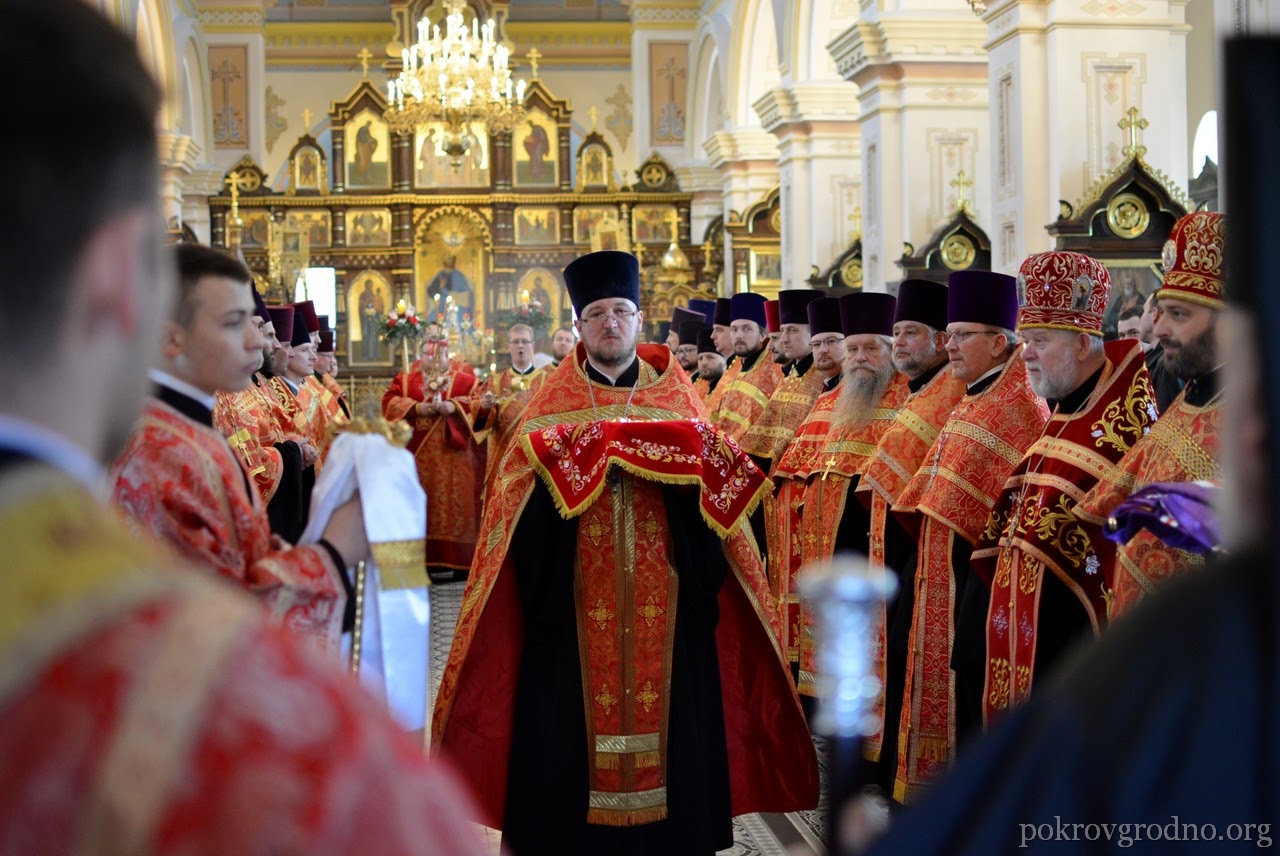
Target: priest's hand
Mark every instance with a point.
(487, 400)
(309, 453)
(346, 531)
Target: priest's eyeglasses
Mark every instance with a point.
(617, 316)
(960, 336)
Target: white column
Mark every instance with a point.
(1062, 75)
(922, 94)
(819, 171)
(747, 161)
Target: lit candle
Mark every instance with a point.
(400, 307)
(524, 296)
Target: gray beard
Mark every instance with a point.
(860, 394)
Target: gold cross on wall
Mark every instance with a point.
(595, 115)
(1134, 124)
(961, 183)
(533, 56)
(364, 56)
(306, 120)
(856, 218)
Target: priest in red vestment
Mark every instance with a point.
(615, 685)
(146, 707)
(178, 478)
(748, 389)
(503, 397)
(1183, 444)
(435, 397)
(946, 505)
(1044, 565)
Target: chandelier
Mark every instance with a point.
(457, 77)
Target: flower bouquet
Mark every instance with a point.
(402, 326)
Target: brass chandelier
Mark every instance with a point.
(455, 77)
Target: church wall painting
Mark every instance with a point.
(651, 224)
(315, 223)
(766, 268)
(450, 261)
(369, 227)
(535, 142)
(432, 167)
(668, 75)
(537, 224)
(368, 302)
(588, 218)
(368, 152)
(229, 79)
(257, 229)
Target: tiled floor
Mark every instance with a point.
(754, 834)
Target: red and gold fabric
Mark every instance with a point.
(336, 391)
(1034, 530)
(1061, 290)
(703, 387)
(746, 396)
(951, 496)
(626, 676)
(1194, 260)
(248, 422)
(179, 480)
(849, 447)
(897, 457)
(329, 405)
(307, 413)
(715, 396)
(450, 464)
(496, 425)
(790, 403)
(1181, 446)
(783, 514)
(184, 707)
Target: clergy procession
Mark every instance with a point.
(223, 575)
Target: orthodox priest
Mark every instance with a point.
(1045, 566)
(615, 638)
(504, 396)
(919, 353)
(1183, 444)
(791, 471)
(946, 505)
(870, 393)
(748, 391)
(711, 365)
(434, 397)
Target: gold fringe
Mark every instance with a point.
(608, 761)
(645, 760)
(934, 748)
(635, 817)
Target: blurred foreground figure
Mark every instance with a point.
(144, 707)
(1165, 729)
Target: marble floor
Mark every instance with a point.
(753, 834)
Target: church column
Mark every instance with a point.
(705, 185)
(1063, 74)
(922, 95)
(197, 187)
(819, 172)
(178, 153)
(747, 160)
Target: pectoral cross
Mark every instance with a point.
(831, 462)
(856, 218)
(1134, 124)
(364, 56)
(533, 56)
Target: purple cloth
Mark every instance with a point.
(1180, 514)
